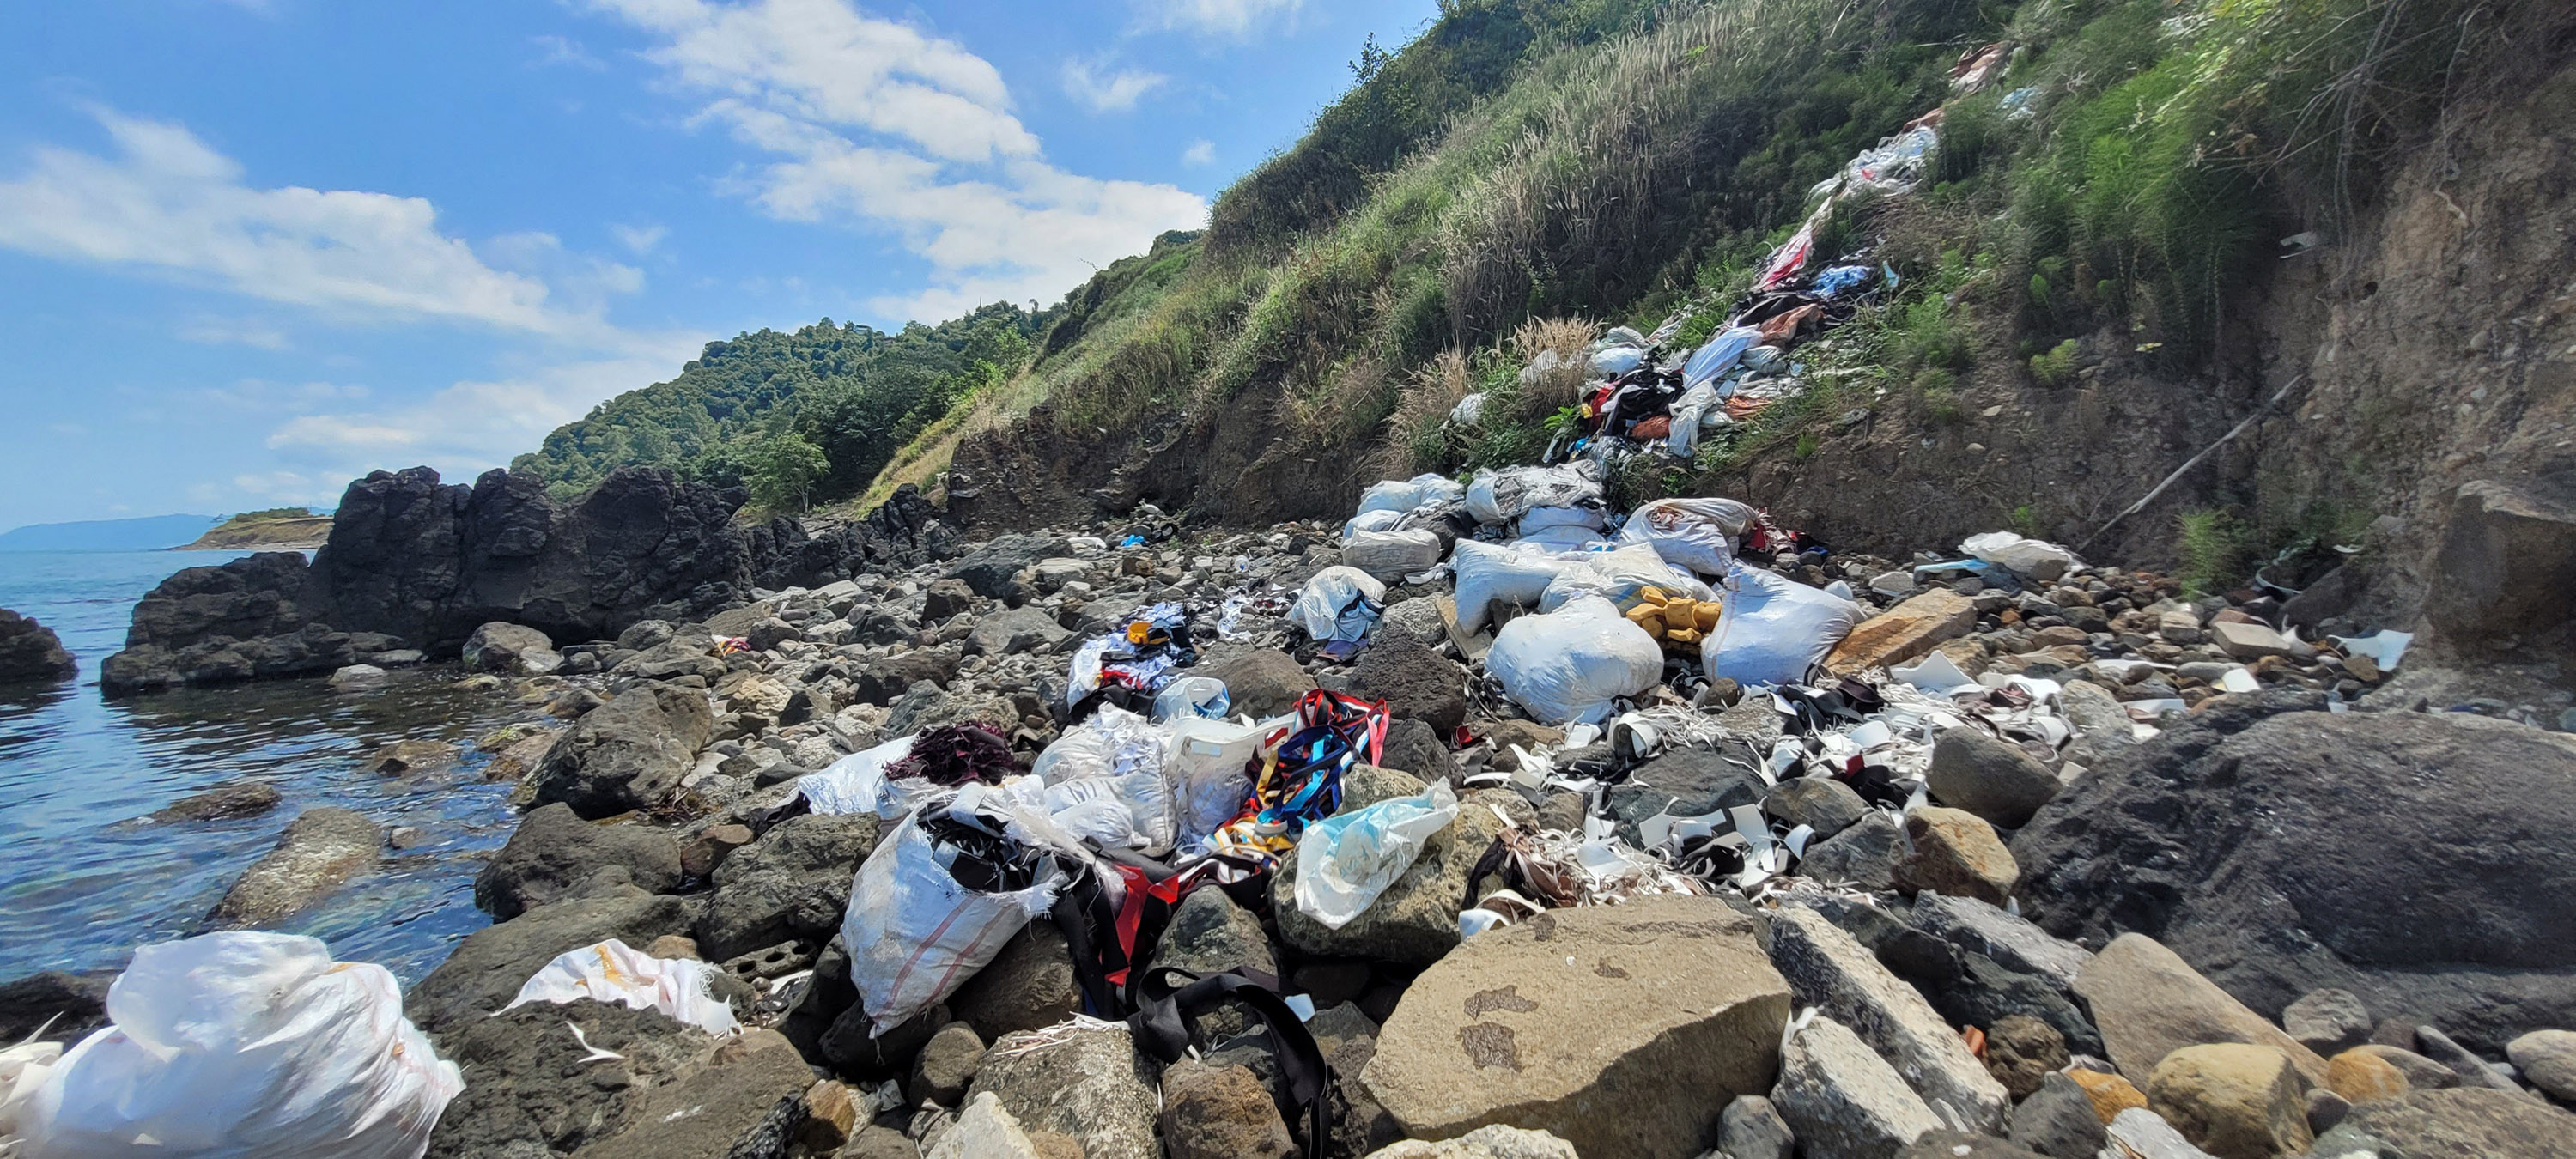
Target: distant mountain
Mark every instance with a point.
(149, 533)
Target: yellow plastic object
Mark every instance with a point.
(1673, 619)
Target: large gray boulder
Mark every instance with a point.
(1829, 970)
(321, 849)
(1012, 631)
(529, 1082)
(252, 618)
(1415, 682)
(486, 969)
(2425, 862)
(1263, 683)
(31, 653)
(2485, 1123)
(1976, 771)
(505, 647)
(627, 754)
(789, 885)
(1089, 1083)
(553, 851)
(1623, 1029)
(748, 1105)
(2505, 566)
(1842, 1099)
(988, 569)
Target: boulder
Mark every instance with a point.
(947, 1064)
(2547, 1059)
(1973, 770)
(410, 756)
(627, 754)
(553, 850)
(1416, 748)
(30, 653)
(529, 1082)
(1083, 1081)
(1209, 934)
(789, 885)
(507, 647)
(1863, 856)
(2506, 563)
(252, 618)
(2142, 1133)
(2417, 1070)
(1220, 1112)
(2110, 1093)
(983, 1131)
(2327, 1021)
(2249, 642)
(2009, 940)
(2022, 1051)
(1668, 1011)
(885, 681)
(1416, 920)
(1012, 631)
(2057, 1120)
(1903, 632)
(1960, 1145)
(487, 968)
(1686, 783)
(987, 570)
(2283, 848)
(1263, 683)
(748, 1105)
(1415, 682)
(321, 849)
(2490, 1124)
(1029, 985)
(2149, 1003)
(64, 1006)
(2361, 1075)
(1955, 852)
(1842, 1099)
(225, 802)
(2233, 1100)
(359, 678)
(1828, 970)
(1751, 1128)
(1823, 804)
(1494, 1142)
(945, 598)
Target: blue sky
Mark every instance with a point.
(250, 249)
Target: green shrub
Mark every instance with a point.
(2213, 551)
(2056, 366)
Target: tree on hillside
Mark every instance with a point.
(784, 471)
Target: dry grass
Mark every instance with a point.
(1336, 403)
(1414, 431)
(1560, 386)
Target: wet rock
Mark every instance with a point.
(2057, 1120)
(1821, 803)
(1013, 631)
(1086, 1082)
(410, 756)
(947, 1064)
(1028, 985)
(1863, 856)
(2326, 892)
(30, 653)
(1414, 746)
(748, 1105)
(1751, 1128)
(225, 802)
(65, 1006)
(1220, 1112)
(554, 850)
(1828, 970)
(359, 678)
(627, 754)
(1263, 684)
(2021, 1051)
(2232, 1100)
(1669, 1010)
(486, 969)
(506, 647)
(1416, 920)
(2009, 940)
(1687, 783)
(2327, 1021)
(321, 849)
(789, 885)
(1415, 682)
(1973, 770)
(1904, 632)
(2149, 1003)
(2454, 1122)
(2547, 1059)
(1842, 1099)
(252, 618)
(1955, 852)
(1489, 1142)
(529, 1082)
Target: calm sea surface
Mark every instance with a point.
(85, 880)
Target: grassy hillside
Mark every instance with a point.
(276, 527)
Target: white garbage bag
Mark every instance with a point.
(1698, 534)
(1111, 761)
(1772, 629)
(1371, 521)
(1565, 539)
(1718, 355)
(1401, 495)
(857, 783)
(1506, 495)
(1538, 519)
(613, 971)
(1487, 573)
(1470, 411)
(1346, 860)
(1613, 361)
(916, 934)
(2031, 557)
(1330, 591)
(1389, 556)
(245, 1044)
(1568, 664)
(1617, 576)
(1210, 768)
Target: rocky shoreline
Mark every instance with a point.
(2170, 881)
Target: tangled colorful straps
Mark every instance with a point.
(1301, 777)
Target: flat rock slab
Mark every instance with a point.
(1828, 969)
(1623, 1029)
(1903, 632)
(2150, 1003)
(321, 849)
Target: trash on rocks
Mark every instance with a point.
(1300, 781)
(246, 1043)
(1131, 666)
(1420, 491)
(1698, 534)
(936, 901)
(2384, 647)
(1487, 573)
(1191, 696)
(1622, 577)
(1209, 763)
(1105, 780)
(1497, 497)
(1773, 630)
(1574, 663)
(858, 783)
(1346, 860)
(956, 754)
(1339, 603)
(2029, 557)
(612, 971)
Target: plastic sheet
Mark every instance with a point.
(1502, 496)
(1487, 573)
(1367, 521)
(1209, 763)
(1346, 860)
(2034, 558)
(1718, 355)
(614, 972)
(1191, 696)
(1570, 664)
(858, 783)
(246, 1044)
(1698, 534)
(1469, 412)
(1774, 629)
(1320, 604)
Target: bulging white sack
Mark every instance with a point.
(1568, 664)
(1773, 629)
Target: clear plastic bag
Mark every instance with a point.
(1773, 629)
(1569, 664)
(245, 1044)
(1346, 860)
(857, 783)
(613, 971)
(1209, 765)
(915, 934)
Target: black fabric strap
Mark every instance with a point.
(1161, 1028)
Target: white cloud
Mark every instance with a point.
(170, 204)
(1108, 92)
(642, 239)
(214, 331)
(878, 124)
(556, 50)
(1200, 152)
(259, 394)
(1233, 18)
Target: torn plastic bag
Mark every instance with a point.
(1346, 860)
(1613, 361)
(1618, 576)
(1698, 534)
(1773, 629)
(615, 972)
(1562, 539)
(2039, 560)
(1110, 743)
(1718, 356)
(1689, 412)
(936, 902)
(246, 1044)
(1191, 696)
(1498, 497)
(857, 783)
(1402, 495)
(1210, 763)
(1389, 556)
(1381, 520)
(1842, 280)
(1487, 573)
(1325, 597)
(1569, 664)
(1469, 412)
